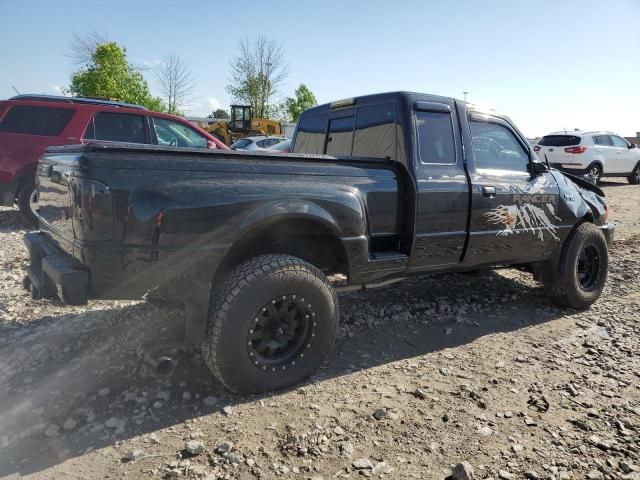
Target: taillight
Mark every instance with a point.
(575, 149)
(536, 148)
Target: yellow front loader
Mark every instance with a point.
(242, 124)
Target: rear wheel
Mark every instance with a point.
(272, 322)
(634, 178)
(595, 171)
(28, 203)
(579, 277)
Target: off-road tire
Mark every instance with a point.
(24, 203)
(634, 178)
(561, 280)
(234, 306)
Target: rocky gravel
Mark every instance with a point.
(453, 376)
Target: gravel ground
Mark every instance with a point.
(425, 375)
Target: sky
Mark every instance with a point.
(550, 65)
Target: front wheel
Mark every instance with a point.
(579, 277)
(271, 323)
(634, 178)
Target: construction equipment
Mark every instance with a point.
(242, 124)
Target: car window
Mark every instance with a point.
(30, 120)
(374, 134)
(242, 143)
(603, 140)
(560, 141)
(435, 137)
(262, 143)
(496, 148)
(619, 142)
(116, 127)
(340, 136)
(177, 134)
(310, 134)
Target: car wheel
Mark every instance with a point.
(28, 203)
(581, 272)
(595, 171)
(272, 322)
(634, 178)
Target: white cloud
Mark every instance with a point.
(214, 103)
(58, 90)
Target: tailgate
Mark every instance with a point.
(71, 206)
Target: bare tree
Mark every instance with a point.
(82, 47)
(257, 74)
(176, 82)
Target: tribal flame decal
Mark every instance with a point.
(526, 216)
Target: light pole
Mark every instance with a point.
(465, 95)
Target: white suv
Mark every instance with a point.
(599, 154)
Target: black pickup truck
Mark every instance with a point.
(377, 188)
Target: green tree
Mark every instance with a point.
(304, 99)
(257, 73)
(220, 113)
(110, 75)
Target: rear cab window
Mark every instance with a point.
(34, 120)
(117, 127)
(436, 142)
(368, 131)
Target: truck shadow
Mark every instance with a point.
(76, 383)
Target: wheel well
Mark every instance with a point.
(596, 162)
(308, 240)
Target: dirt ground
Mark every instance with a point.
(425, 374)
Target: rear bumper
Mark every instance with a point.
(7, 193)
(578, 171)
(54, 272)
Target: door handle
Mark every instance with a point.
(489, 192)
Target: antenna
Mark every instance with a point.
(16, 90)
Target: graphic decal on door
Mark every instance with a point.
(523, 217)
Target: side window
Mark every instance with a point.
(619, 142)
(310, 134)
(176, 134)
(374, 135)
(340, 136)
(261, 143)
(496, 148)
(435, 137)
(30, 120)
(117, 127)
(603, 140)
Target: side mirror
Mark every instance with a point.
(633, 145)
(538, 168)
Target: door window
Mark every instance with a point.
(177, 134)
(496, 148)
(117, 127)
(619, 142)
(602, 140)
(340, 136)
(435, 137)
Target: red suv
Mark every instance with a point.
(31, 123)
